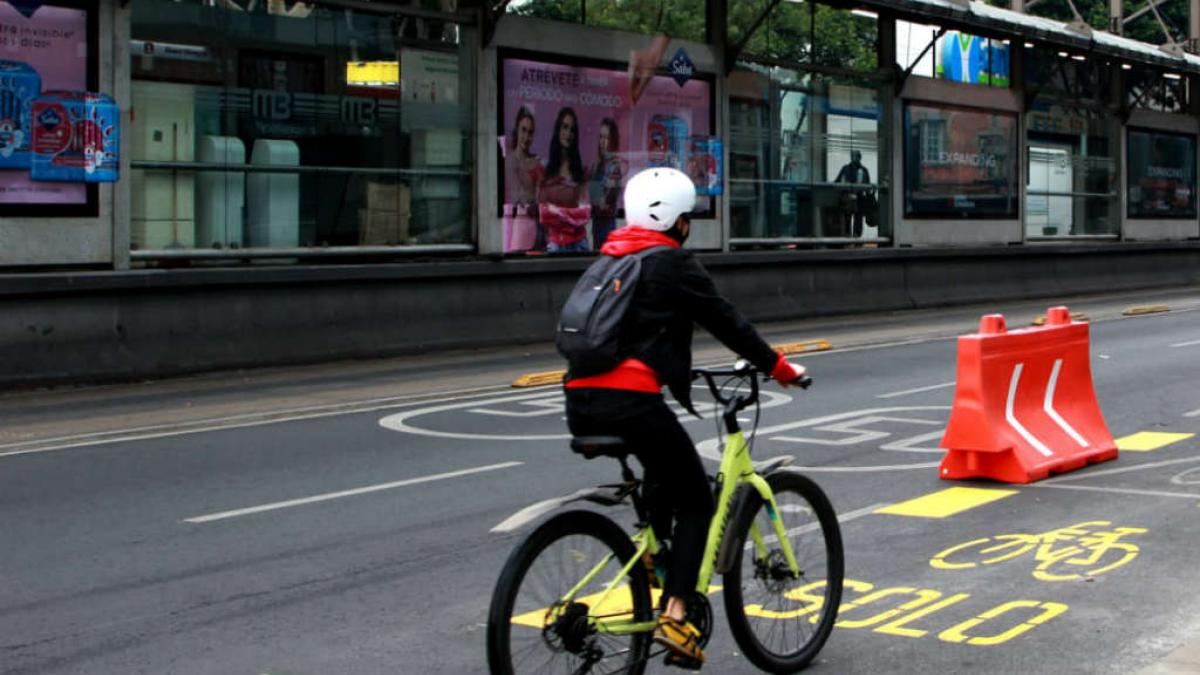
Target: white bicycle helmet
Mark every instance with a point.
(655, 198)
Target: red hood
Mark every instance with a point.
(632, 239)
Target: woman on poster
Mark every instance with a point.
(563, 207)
(522, 174)
(604, 184)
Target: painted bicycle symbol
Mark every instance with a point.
(1065, 554)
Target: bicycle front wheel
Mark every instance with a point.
(534, 627)
(781, 620)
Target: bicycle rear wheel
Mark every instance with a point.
(530, 629)
(780, 621)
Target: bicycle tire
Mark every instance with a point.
(559, 639)
(794, 494)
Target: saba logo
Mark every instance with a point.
(49, 118)
(681, 68)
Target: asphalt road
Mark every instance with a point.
(339, 522)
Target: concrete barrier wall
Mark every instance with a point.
(102, 326)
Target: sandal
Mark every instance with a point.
(682, 641)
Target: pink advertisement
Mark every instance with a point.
(570, 138)
(46, 47)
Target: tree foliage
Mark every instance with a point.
(676, 18)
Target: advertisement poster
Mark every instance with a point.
(570, 138)
(53, 42)
(972, 59)
(1162, 175)
(959, 163)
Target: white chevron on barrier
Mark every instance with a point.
(1012, 419)
(1048, 406)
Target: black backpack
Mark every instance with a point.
(589, 327)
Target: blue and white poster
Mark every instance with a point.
(973, 60)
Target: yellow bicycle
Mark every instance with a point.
(578, 594)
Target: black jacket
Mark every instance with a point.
(674, 292)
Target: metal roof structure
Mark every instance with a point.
(977, 17)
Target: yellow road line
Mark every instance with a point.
(1147, 441)
(946, 502)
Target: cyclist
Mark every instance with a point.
(673, 293)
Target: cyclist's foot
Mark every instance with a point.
(682, 641)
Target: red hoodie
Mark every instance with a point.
(631, 374)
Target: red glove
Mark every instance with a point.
(786, 373)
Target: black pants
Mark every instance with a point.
(679, 496)
(854, 222)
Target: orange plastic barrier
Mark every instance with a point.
(1024, 406)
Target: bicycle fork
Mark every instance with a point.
(781, 534)
(721, 550)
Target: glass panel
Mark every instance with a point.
(1155, 90)
(676, 18)
(845, 39)
(558, 10)
(809, 33)
(1071, 174)
(1061, 216)
(1056, 73)
(913, 50)
(306, 126)
(804, 156)
(1162, 174)
(785, 34)
(959, 163)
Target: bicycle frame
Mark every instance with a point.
(735, 464)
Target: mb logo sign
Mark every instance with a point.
(1024, 405)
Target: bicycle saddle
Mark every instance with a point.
(592, 447)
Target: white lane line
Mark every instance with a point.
(1190, 343)
(1124, 469)
(812, 527)
(236, 421)
(346, 493)
(918, 390)
(865, 469)
(1194, 413)
(1124, 491)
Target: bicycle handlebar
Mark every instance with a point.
(742, 369)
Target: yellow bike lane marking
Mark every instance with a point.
(1148, 441)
